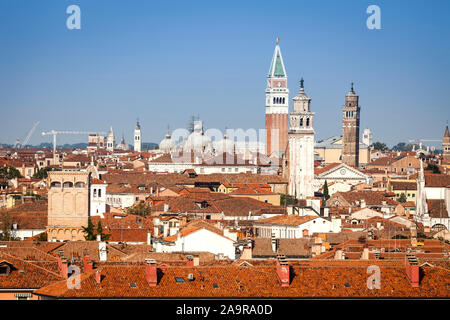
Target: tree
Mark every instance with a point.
(89, 231)
(140, 209)
(326, 194)
(42, 236)
(286, 199)
(402, 198)
(379, 146)
(433, 167)
(103, 236)
(6, 227)
(10, 173)
(43, 172)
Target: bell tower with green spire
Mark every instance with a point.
(277, 105)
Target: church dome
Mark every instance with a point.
(197, 141)
(226, 145)
(122, 145)
(167, 144)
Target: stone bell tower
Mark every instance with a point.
(301, 147)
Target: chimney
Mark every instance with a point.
(274, 243)
(412, 270)
(363, 203)
(339, 255)
(246, 252)
(98, 276)
(196, 261)
(151, 273)
(365, 254)
(166, 207)
(87, 264)
(62, 263)
(149, 237)
(283, 271)
(99, 237)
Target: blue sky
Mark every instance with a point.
(164, 61)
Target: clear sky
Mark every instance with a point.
(164, 61)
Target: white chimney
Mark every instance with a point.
(363, 203)
(274, 244)
(99, 237)
(149, 237)
(166, 207)
(365, 254)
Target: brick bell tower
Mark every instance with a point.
(350, 129)
(446, 145)
(277, 105)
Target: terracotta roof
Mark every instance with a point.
(97, 181)
(372, 198)
(25, 274)
(194, 226)
(308, 280)
(326, 168)
(291, 248)
(403, 185)
(437, 180)
(291, 220)
(213, 203)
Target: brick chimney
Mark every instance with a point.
(283, 271)
(151, 273)
(98, 276)
(62, 264)
(412, 270)
(87, 264)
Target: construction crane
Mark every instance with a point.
(27, 138)
(55, 133)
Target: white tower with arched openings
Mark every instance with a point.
(137, 137)
(301, 147)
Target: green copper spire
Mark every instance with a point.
(276, 66)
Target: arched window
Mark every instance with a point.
(68, 184)
(99, 193)
(283, 100)
(273, 100)
(80, 185)
(55, 184)
(301, 122)
(307, 122)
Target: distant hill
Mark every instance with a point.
(45, 145)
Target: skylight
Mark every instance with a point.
(179, 280)
(133, 285)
